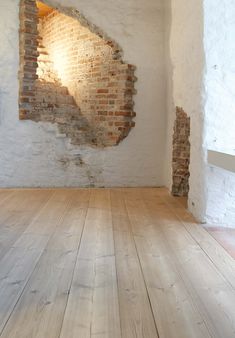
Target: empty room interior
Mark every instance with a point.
(117, 169)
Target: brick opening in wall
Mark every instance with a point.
(181, 154)
(72, 74)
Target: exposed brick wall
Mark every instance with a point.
(53, 103)
(28, 56)
(46, 69)
(84, 60)
(181, 154)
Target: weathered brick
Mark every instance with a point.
(101, 111)
(181, 154)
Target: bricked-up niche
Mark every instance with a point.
(73, 75)
(181, 154)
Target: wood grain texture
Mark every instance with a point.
(17, 212)
(44, 298)
(136, 315)
(212, 294)
(173, 308)
(110, 263)
(93, 309)
(18, 264)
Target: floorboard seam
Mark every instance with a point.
(137, 253)
(35, 267)
(79, 244)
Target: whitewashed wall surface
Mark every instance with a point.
(31, 154)
(219, 27)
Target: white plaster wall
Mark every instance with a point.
(31, 155)
(170, 108)
(184, 26)
(221, 197)
(220, 106)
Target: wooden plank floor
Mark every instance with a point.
(225, 236)
(110, 263)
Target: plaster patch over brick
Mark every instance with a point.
(181, 154)
(73, 75)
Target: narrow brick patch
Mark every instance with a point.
(181, 154)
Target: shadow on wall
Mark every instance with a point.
(73, 75)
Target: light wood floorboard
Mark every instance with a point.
(136, 315)
(17, 210)
(110, 263)
(93, 309)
